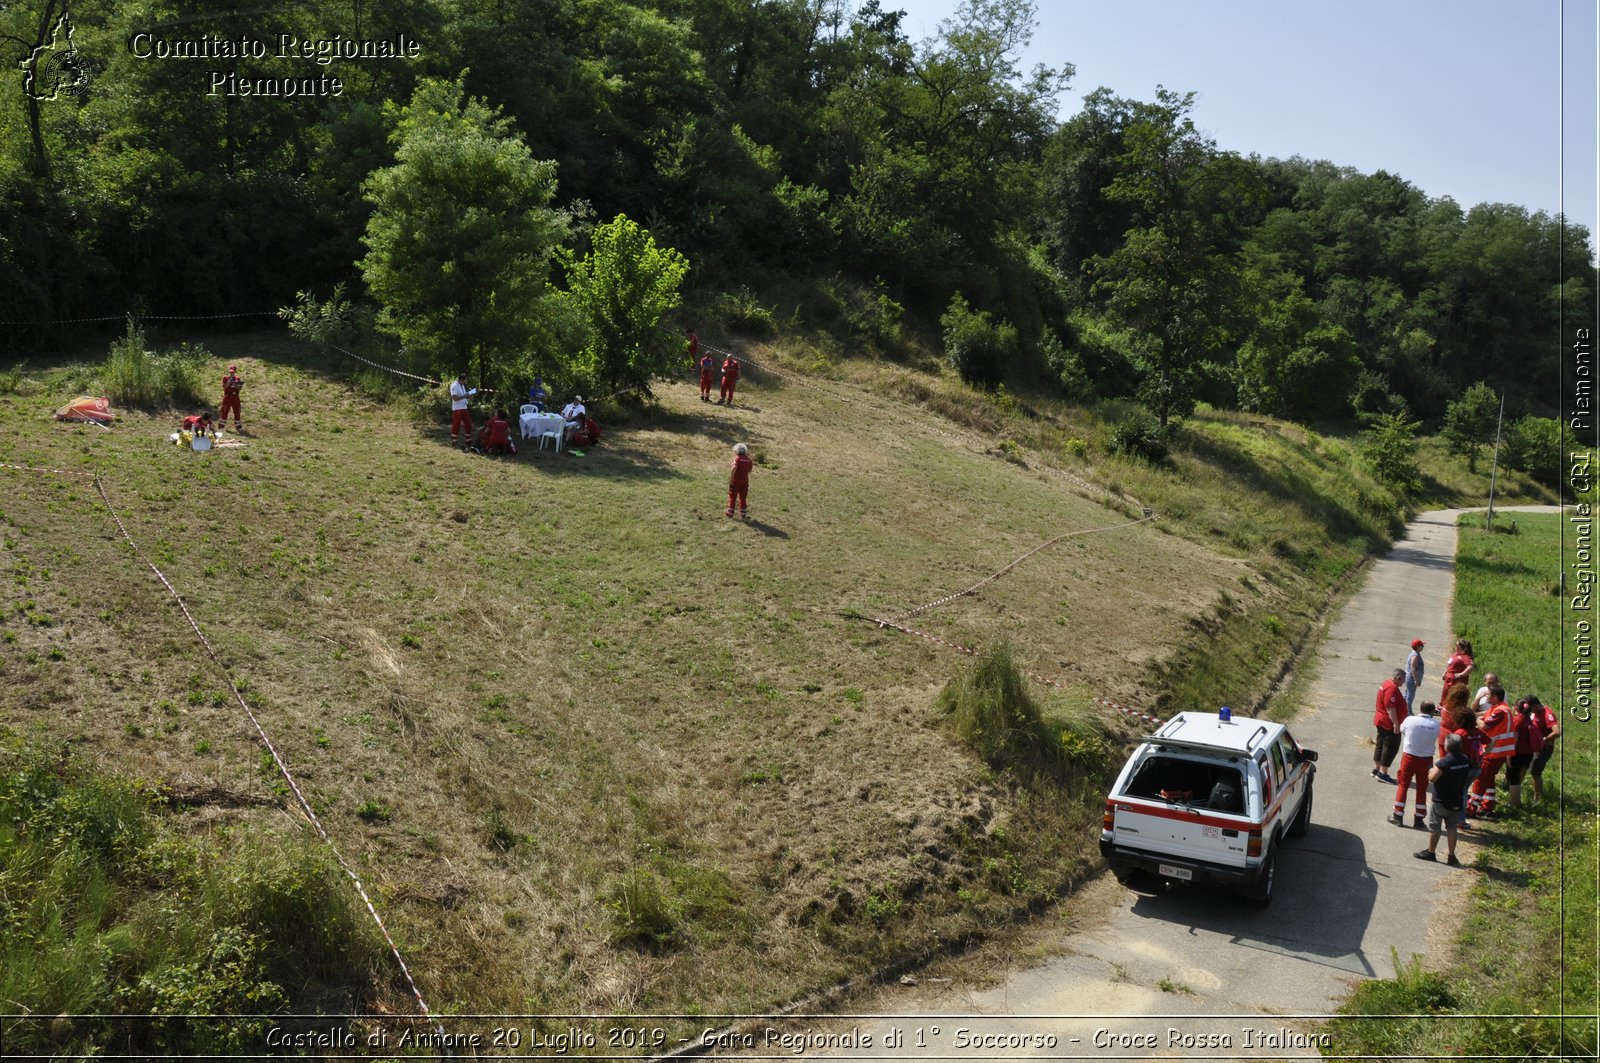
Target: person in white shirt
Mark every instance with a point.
(1419, 737)
(460, 416)
(1481, 701)
(574, 413)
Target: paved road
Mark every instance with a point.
(1195, 972)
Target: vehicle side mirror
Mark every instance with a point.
(1308, 754)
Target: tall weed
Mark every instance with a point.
(105, 910)
(991, 710)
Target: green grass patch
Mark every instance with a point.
(107, 907)
(1524, 955)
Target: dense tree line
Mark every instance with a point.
(774, 144)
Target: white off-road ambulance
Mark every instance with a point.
(1209, 799)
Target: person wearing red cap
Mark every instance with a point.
(231, 386)
(1414, 673)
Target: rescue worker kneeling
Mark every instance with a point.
(495, 437)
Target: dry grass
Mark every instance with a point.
(567, 678)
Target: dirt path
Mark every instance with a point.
(1195, 972)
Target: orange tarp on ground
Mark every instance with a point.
(86, 408)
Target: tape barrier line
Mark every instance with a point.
(973, 651)
(144, 317)
(56, 472)
(442, 383)
(305, 808)
(994, 576)
(277, 758)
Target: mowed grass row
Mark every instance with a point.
(1522, 980)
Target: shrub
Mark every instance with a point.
(321, 324)
(991, 711)
(641, 912)
(179, 375)
(130, 369)
(1139, 436)
(134, 376)
(740, 312)
(1535, 446)
(106, 910)
(975, 345)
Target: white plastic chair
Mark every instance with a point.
(526, 418)
(551, 426)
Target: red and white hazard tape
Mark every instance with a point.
(277, 758)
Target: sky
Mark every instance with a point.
(1462, 99)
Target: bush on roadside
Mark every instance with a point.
(991, 710)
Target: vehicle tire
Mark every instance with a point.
(1260, 894)
(1302, 819)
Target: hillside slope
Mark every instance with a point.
(597, 746)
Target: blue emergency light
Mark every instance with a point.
(1225, 714)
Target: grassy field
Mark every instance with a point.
(597, 747)
(1521, 982)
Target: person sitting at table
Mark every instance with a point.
(536, 395)
(574, 414)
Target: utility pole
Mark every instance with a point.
(1494, 467)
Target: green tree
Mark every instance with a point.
(1173, 277)
(461, 237)
(1295, 364)
(1390, 450)
(1470, 423)
(622, 289)
(1537, 446)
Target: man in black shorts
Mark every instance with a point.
(1448, 783)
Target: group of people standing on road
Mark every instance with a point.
(1454, 750)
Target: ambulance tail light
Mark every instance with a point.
(1253, 846)
(1108, 817)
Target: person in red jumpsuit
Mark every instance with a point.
(496, 435)
(739, 480)
(1496, 724)
(730, 379)
(708, 368)
(231, 386)
(1457, 668)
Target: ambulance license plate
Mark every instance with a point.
(1182, 873)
